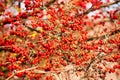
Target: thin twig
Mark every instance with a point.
(92, 62)
(103, 6)
(15, 72)
(104, 36)
(67, 68)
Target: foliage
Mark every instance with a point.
(58, 39)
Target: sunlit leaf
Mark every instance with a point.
(33, 34)
(39, 29)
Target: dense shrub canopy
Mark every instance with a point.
(59, 39)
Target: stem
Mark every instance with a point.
(10, 76)
(92, 62)
(103, 6)
(15, 72)
(104, 36)
(51, 2)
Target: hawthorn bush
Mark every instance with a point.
(59, 40)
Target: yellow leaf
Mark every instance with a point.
(18, 9)
(13, 55)
(43, 63)
(3, 68)
(105, 19)
(33, 34)
(113, 55)
(8, 2)
(49, 16)
(19, 40)
(40, 29)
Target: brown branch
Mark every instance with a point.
(28, 14)
(15, 72)
(67, 68)
(6, 48)
(92, 8)
(99, 58)
(92, 62)
(32, 29)
(51, 2)
(19, 3)
(104, 36)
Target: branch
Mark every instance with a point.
(103, 6)
(28, 14)
(67, 68)
(15, 72)
(13, 19)
(92, 62)
(104, 36)
(32, 29)
(6, 48)
(51, 2)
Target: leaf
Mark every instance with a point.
(13, 55)
(18, 9)
(33, 34)
(2, 55)
(43, 63)
(19, 40)
(3, 69)
(49, 16)
(39, 29)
